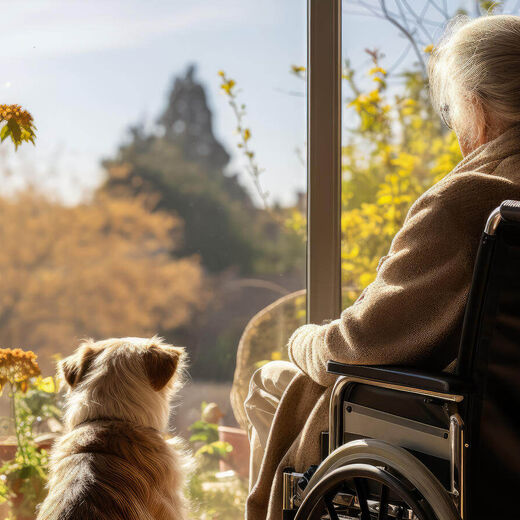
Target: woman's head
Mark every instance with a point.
(475, 77)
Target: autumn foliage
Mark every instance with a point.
(103, 268)
(19, 125)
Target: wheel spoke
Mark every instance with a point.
(330, 507)
(367, 482)
(383, 503)
(362, 498)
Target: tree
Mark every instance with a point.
(188, 122)
(103, 268)
(416, 22)
(182, 165)
(215, 222)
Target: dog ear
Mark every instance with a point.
(74, 367)
(161, 363)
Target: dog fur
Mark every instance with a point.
(112, 462)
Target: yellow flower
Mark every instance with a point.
(297, 69)
(45, 384)
(247, 134)
(428, 49)
(375, 70)
(227, 86)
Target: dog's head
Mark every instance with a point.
(125, 378)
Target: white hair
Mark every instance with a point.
(477, 65)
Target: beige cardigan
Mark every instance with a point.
(410, 315)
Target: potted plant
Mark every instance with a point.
(215, 495)
(32, 399)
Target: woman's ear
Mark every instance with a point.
(74, 367)
(481, 123)
(161, 362)
(473, 130)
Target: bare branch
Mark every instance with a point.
(403, 14)
(292, 93)
(407, 34)
(370, 8)
(372, 11)
(348, 75)
(399, 59)
(442, 10)
(418, 17)
(359, 13)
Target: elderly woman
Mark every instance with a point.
(412, 313)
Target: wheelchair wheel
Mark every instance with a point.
(361, 475)
(346, 492)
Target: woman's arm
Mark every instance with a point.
(415, 302)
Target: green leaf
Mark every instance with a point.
(201, 425)
(489, 7)
(28, 135)
(196, 425)
(16, 131)
(217, 449)
(203, 432)
(5, 133)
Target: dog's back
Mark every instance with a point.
(111, 470)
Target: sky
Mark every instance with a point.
(87, 70)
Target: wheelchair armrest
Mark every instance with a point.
(441, 383)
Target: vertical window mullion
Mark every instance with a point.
(324, 160)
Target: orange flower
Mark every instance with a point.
(17, 366)
(22, 117)
(19, 125)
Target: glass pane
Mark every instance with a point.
(394, 145)
(165, 194)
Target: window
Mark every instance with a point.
(166, 192)
(394, 146)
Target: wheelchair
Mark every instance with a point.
(406, 444)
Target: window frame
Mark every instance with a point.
(323, 159)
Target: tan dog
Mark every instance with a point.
(112, 462)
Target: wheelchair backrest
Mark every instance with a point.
(490, 358)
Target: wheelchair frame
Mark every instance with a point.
(456, 430)
(442, 387)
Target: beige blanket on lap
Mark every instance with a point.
(410, 315)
